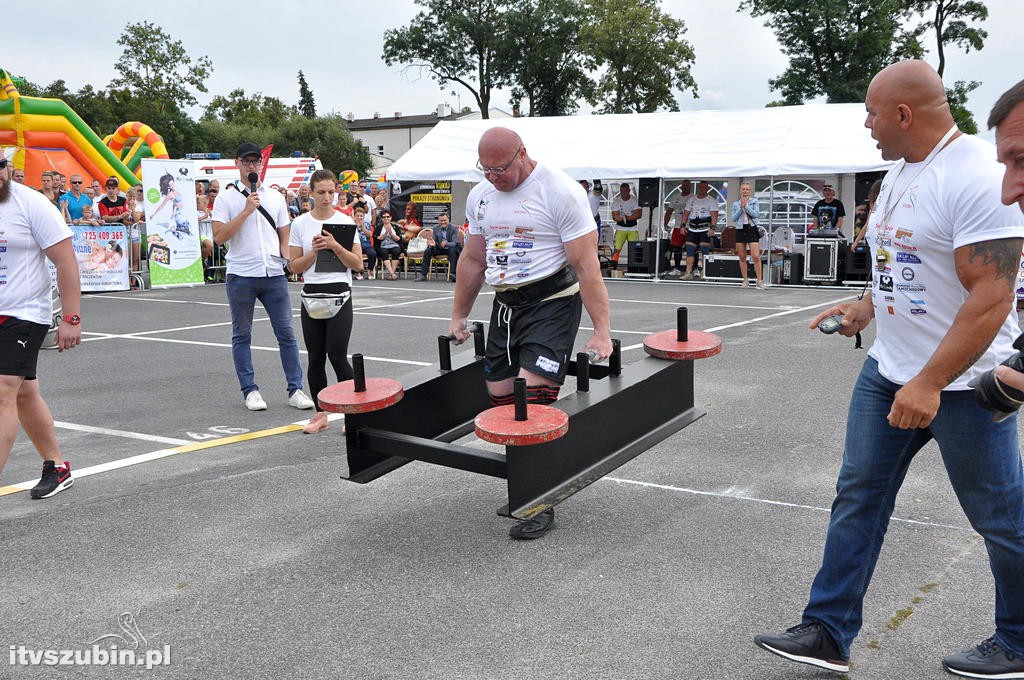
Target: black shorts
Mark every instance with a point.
(19, 347)
(748, 235)
(538, 338)
(698, 237)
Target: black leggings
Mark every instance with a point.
(327, 339)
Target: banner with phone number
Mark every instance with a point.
(102, 253)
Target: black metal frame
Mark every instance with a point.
(619, 416)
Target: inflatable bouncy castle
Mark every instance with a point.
(49, 135)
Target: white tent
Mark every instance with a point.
(814, 139)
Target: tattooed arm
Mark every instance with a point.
(988, 270)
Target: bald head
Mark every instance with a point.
(907, 110)
(502, 150)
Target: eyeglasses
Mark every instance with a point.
(499, 170)
(251, 161)
(74, 182)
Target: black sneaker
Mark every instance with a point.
(807, 643)
(53, 481)
(535, 527)
(987, 660)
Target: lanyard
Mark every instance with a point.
(890, 204)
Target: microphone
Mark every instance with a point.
(253, 180)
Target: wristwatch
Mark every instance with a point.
(72, 319)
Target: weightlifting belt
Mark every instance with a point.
(532, 293)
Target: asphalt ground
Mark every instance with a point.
(232, 541)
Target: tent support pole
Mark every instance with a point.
(657, 233)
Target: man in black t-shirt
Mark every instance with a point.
(828, 213)
(113, 206)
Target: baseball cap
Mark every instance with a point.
(827, 186)
(247, 149)
(113, 183)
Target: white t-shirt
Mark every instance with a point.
(253, 246)
(525, 228)
(28, 225)
(304, 228)
(678, 205)
(953, 202)
(700, 212)
(595, 203)
(625, 206)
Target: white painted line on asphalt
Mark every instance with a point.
(760, 318)
(741, 495)
(108, 336)
(120, 433)
(676, 303)
(137, 298)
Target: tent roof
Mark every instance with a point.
(812, 139)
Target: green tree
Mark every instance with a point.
(158, 68)
(307, 105)
(256, 110)
(543, 59)
(834, 47)
(950, 21)
(326, 137)
(458, 41)
(642, 52)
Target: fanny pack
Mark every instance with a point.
(324, 305)
(531, 293)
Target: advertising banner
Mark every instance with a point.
(431, 198)
(172, 226)
(103, 256)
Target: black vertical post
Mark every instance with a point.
(615, 360)
(519, 398)
(582, 372)
(479, 345)
(358, 373)
(444, 352)
(682, 330)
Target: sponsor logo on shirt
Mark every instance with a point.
(522, 245)
(890, 298)
(908, 258)
(481, 208)
(502, 260)
(907, 274)
(891, 311)
(500, 245)
(523, 274)
(522, 231)
(917, 311)
(910, 287)
(917, 302)
(885, 282)
(903, 246)
(903, 233)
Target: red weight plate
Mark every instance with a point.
(343, 398)
(498, 425)
(699, 345)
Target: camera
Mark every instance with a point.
(996, 396)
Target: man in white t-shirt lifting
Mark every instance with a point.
(532, 237)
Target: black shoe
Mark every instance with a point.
(807, 643)
(53, 481)
(420, 277)
(536, 527)
(987, 660)
(451, 279)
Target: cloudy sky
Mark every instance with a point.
(260, 46)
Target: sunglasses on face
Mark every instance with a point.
(74, 182)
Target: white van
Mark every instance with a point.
(289, 173)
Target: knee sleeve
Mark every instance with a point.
(705, 249)
(501, 399)
(541, 394)
(691, 250)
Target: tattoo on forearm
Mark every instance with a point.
(970, 361)
(1003, 255)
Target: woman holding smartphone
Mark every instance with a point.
(326, 312)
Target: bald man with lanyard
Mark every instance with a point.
(531, 237)
(945, 253)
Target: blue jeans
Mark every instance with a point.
(983, 462)
(272, 292)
